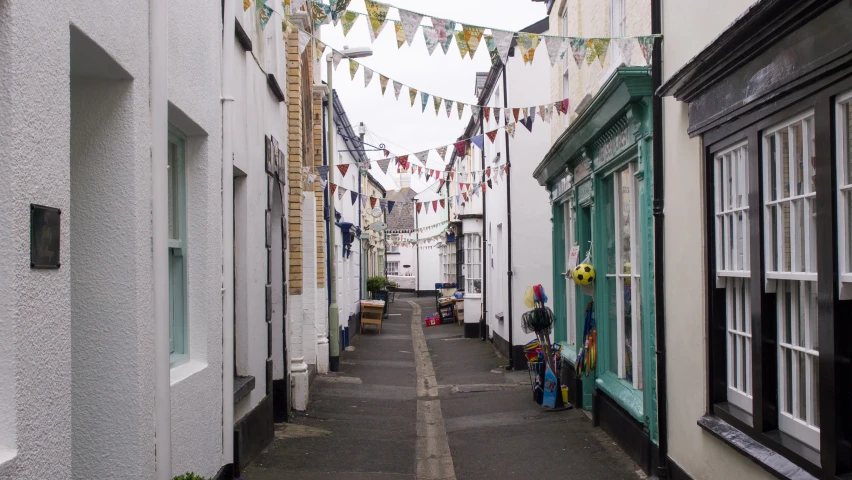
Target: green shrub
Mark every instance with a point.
(190, 476)
(375, 284)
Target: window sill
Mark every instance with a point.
(628, 398)
(186, 370)
(242, 387)
(771, 461)
(569, 354)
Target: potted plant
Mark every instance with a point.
(378, 288)
(477, 286)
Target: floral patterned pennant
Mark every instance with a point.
(472, 36)
(377, 13)
(410, 24)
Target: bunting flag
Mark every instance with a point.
(368, 75)
(510, 128)
(353, 196)
(348, 20)
(412, 94)
(422, 156)
(528, 42)
(320, 12)
(296, 5)
(419, 207)
(472, 36)
(460, 147)
(625, 48)
(372, 202)
(502, 42)
(497, 115)
(377, 14)
(565, 106)
(424, 98)
(363, 201)
(474, 110)
(599, 46)
(400, 34)
(383, 82)
(338, 7)
(460, 107)
(332, 187)
(442, 152)
(491, 135)
(343, 169)
(322, 171)
(410, 23)
(508, 114)
(488, 172)
(579, 48)
(478, 141)
(402, 161)
(492, 49)
(246, 4)
(646, 44)
(319, 47)
(448, 104)
(397, 87)
(515, 112)
(391, 203)
(435, 206)
(442, 202)
(264, 12)
(383, 164)
(340, 192)
(430, 36)
(437, 101)
(461, 43)
(556, 47)
(353, 67)
(444, 30)
(487, 112)
(304, 39)
(336, 57)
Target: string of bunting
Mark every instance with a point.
(470, 37)
(399, 231)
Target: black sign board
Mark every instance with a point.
(44, 236)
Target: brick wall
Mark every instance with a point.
(318, 93)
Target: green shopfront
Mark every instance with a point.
(598, 173)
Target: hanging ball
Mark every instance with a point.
(584, 274)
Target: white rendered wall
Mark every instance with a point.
(348, 268)
(689, 26)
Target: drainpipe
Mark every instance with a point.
(509, 224)
(228, 235)
(483, 322)
(326, 213)
(417, 247)
(361, 242)
(159, 63)
(659, 244)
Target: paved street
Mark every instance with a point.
(419, 402)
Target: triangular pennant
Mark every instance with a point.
(410, 23)
(516, 111)
(319, 48)
(472, 36)
(430, 36)
(625, 49)
(502, 42)
(460, 107)
(383, 82)
(348, 20)
(377, 13)
(510, 129)
(528, 42)
(542, 112)
(442, 202)
(478, 141)
(304, 39)
(646, 44)
(422, 156)
(332, 187)
(489, 184)
(383, 164)
(336, 57)
(343, 169)
(437, 101)
(444, 30)
(391, 203)
(402, 160)
(424, 98)
(400, 34)
(492, 50)
(412, 94)
(354, 197)
(246, 4)
(353, 67)
(340, 192)
(322, 170)
(372, 202)
(461, 43)
(387, 168)
(488, 172)
(321, 14)
(435, 206)
(590, 53)
(442, 152)
(487, 112)
(497, 115)
(600, 45)
(338, 8)
(491, 135)
(556, 47)
(460, 147)
(419, 207)
(368, 75)
(448, 104)
(363, 201)
(265, 13)
(474, 110)
(397, 87)
(579, 48)
(565, 105)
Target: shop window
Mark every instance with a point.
(623, 279)
(448, 263)
(393, 268)
(177, 246)
(733, 267)
(473, 257)
(570, 287)
(844, 193)
(790, 255)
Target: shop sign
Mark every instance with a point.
(563, 185)
(615, 144)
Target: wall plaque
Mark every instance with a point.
(44, 236)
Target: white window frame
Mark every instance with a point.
(844, 192)
(633, 276)
(393, 268)
(617, 18)
(796, 275)
(177, 245)
(473, 258)
(393, 248)
(448, 262)
(570, 236)
(731, 188)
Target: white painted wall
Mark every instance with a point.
(348, 268)
(688, 27)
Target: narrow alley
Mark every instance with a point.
(426, 403)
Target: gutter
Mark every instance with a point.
(659, 243)
(509, 224)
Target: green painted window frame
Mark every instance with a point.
(178, 315)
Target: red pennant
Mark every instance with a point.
(482, 186)
(488, 172)
(372, 202)
(565, 105)
(419, 170)
(442, 203)
(419, 206)
(506, 168)
(491, 135)
(515, 112)
(460, 147)
(332, 187)
(464, 194)
(487, 112)
(343, 168)
(435, 205)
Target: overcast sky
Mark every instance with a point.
(403, 128)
